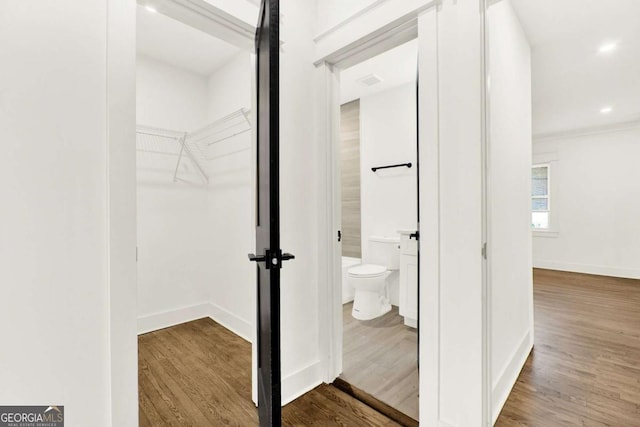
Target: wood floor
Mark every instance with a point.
(199, 374)
(584, 370)
(585, 366)
(379, 357)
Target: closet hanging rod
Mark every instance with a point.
(399, 165)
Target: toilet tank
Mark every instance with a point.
(384, 250)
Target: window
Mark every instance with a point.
(540, 199)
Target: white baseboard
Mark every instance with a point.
(600, 270)
(509, 375)
(166, 319)
(298, 383)
(156, 321)
(235, 324)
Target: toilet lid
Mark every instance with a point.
(367, 270)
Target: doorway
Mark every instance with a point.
(378, 175)
(195, 173)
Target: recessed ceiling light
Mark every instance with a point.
(151, 9)
(608, 47)
(606, 110)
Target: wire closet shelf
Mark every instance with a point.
(192, 146)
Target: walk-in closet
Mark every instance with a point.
(193, 141)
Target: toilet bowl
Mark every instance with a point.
(369, 280)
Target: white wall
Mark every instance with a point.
(509, 240)
(388, 136)
(333, 12)
(230, 218)
(451, 320)
(67, 266)
(229, 88)
(169, 97)
(173, 267)
(299, 201)
(595, 204)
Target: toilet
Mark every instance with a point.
(369, 279)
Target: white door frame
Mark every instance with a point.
(330, 299)
(329, 72)
(487, 376)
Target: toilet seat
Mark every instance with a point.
(367, 270)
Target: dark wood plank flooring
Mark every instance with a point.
(199, 374)
(585, 366)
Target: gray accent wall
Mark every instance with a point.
(350, 178)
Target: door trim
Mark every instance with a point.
(398, 32)
(330, 301)
(487, 376)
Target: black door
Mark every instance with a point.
(269, 255)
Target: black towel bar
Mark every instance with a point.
(400, 165)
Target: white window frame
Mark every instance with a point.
(548, 197)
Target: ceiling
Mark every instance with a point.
(572, 80)
(395, 67)
(177, 44)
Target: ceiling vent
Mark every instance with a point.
(370, 80)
